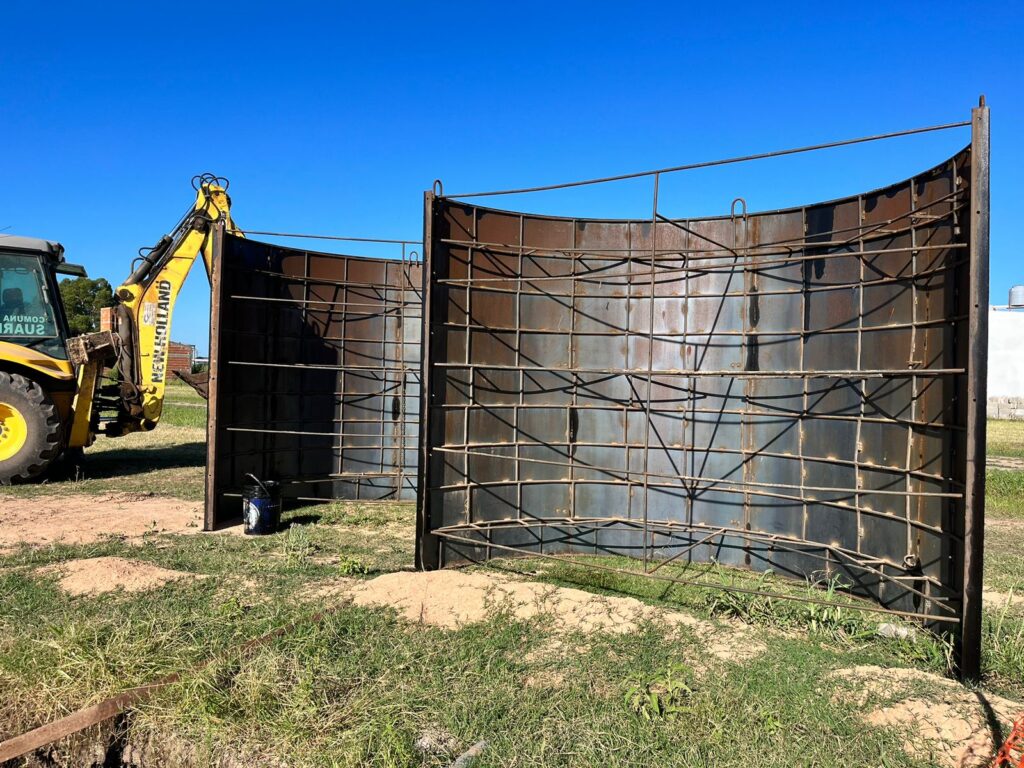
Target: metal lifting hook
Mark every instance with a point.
(732, 208)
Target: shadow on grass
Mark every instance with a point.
(297, 520)
(104, 465)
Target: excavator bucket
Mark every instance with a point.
(200, 382)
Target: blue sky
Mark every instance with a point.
(334, 117)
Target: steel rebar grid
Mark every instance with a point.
(675, 530)
(314, 306)
(679, 581)
(468, 279)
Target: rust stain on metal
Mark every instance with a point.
(317, 371)
(780, 390)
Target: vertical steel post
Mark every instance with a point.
(650, 374)
(969, 650)
(404, 278)
(210, 516)
(427, 554)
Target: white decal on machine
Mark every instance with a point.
(23, 325)
(163, 310)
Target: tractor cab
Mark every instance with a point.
(31, 311)
(37, 380)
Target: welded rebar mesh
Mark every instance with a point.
(318, 371)
(777, 391)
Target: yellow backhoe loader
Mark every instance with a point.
(57, 393)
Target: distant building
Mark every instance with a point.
(1005, 364)
(180, 356)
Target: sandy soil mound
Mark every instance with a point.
(96, 575)
(332, 588)
(80, 519)
(996, 599)
(451, 598)
(950, 728)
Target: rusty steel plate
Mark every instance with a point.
(786, 391)
(315, 375)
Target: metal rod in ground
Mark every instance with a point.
(467, 758)
(112, 706)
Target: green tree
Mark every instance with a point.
(83, 300)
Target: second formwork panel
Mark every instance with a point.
(315, 368)
(777, 391)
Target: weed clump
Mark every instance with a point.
(666, 697)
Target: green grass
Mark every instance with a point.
(1004, 556)
(60, 650)
(183, 406)
(361, 686)
(1005, 438)
(1004, 493)
(168, 461)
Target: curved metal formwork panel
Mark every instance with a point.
(315, 375)
(785, 390)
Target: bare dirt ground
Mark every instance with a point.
(452, 599)
(81, 519)
(97, 575)
(947, 724)
(1004, 462)
(1005, 526)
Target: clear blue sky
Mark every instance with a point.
(333, 117)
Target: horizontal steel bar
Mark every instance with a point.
(331, 237)
(385, 310)
(280, 431)
(751, 262)
(577, 465)
(389, 391)
(360, 369)
(386, 498)
(691, 491)
(772, 541)
(790, 244)
(767, 414)
(680, 274)
(673, 528)
(407, 287)
(334, 476)
(712, 163)
(692, 451)
(865, 606)
(671, 337)
(354, 286)
(737, 374)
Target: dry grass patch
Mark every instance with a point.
(330, 590)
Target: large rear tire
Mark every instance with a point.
(31, 434)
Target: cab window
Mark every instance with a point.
(26, 308)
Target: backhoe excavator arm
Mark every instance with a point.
(137, 350)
